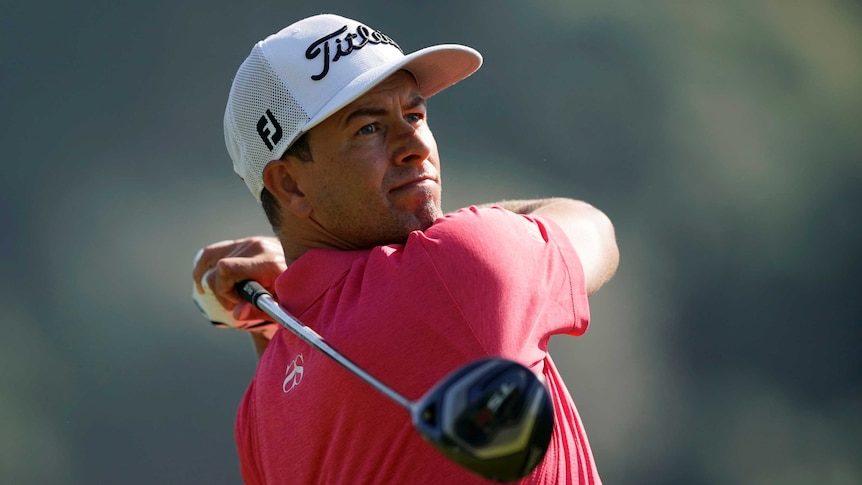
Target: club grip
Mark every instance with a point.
(250, 291)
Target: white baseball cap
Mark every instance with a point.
(296, 78)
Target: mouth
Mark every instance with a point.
(416, 182)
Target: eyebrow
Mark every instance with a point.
(416, 102)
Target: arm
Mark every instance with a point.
(260, 341)
(589, 230)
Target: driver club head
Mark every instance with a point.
(492, 416)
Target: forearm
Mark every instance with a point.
(260, 341)
(524, 206)
(592, 235)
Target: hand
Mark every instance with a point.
(223, 264)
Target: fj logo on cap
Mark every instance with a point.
(269, 130)
(344, 45)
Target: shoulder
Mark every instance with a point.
(494, 241)
(476, 224)
(493, 230)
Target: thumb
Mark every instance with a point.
(242, 310)
(246, 312)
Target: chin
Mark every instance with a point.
(400, 236)
(426, 216)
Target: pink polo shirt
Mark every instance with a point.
(479, 282)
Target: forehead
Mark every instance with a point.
(400, 84)
(401, 80)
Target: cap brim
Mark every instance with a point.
(435, 69)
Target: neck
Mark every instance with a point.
(298, 235)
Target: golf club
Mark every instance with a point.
(492, 416)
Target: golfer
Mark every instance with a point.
(327, 123)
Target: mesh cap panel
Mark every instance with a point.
(262, 119)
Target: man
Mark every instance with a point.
(328, 126)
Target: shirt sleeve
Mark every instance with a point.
(515, 278)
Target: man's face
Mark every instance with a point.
(375, 174)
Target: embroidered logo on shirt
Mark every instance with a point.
(293, 373)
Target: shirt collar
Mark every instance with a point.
(310, 276)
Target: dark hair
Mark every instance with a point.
(271, 207)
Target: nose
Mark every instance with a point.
(413, 145)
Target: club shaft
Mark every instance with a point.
(309, 336)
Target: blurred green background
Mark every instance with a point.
(722, 137)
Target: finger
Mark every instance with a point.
(264, 248)
(246, 312)
(208, 256)
(242, 310)
(262, 327)
(232, 270)
(264, 270)
(209, 279)
(227, 273)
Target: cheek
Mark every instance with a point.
(343, 185)
(429, 140)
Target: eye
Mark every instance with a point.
(414, 117)
(367, 130)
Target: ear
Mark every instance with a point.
(278, 178)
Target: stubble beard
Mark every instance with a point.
(351, 230)
(402, 225)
